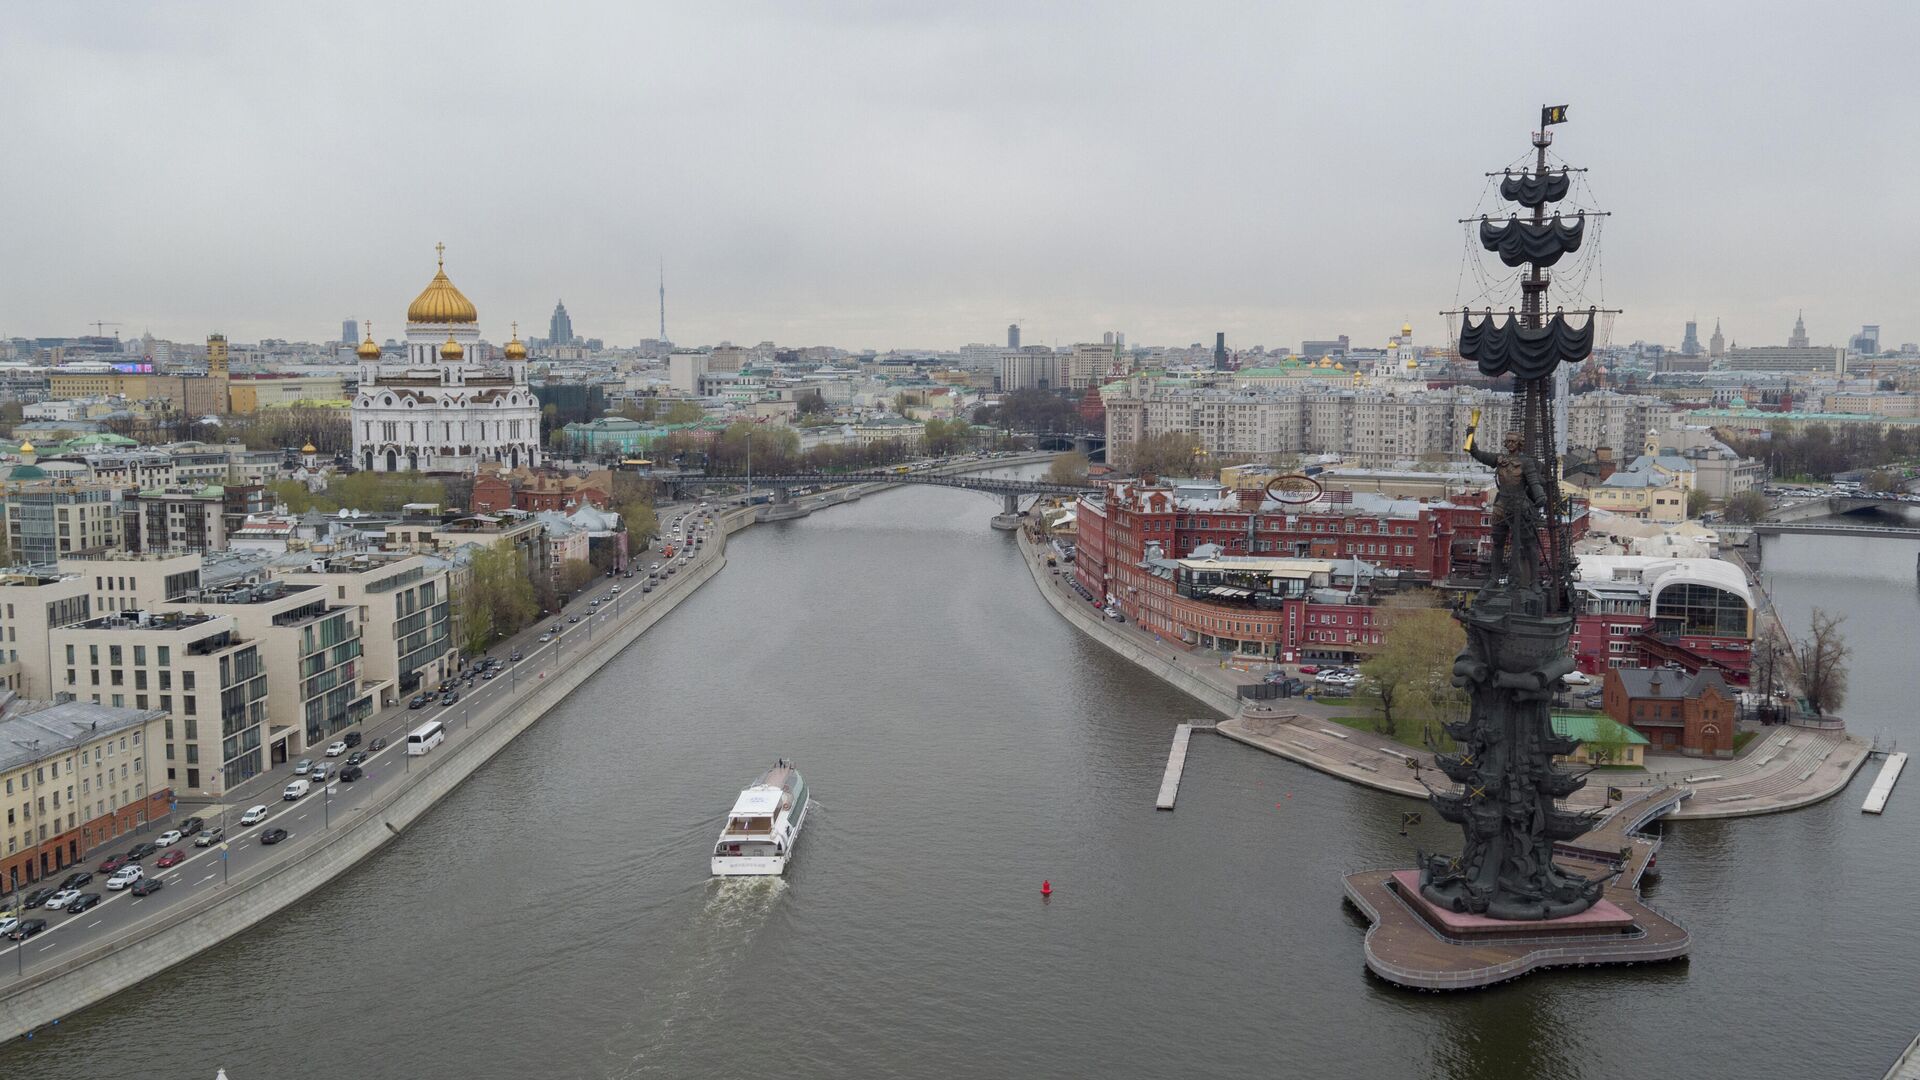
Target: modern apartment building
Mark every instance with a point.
(402, 604)
(46, 519)
(199, 670)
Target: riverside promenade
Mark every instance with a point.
(1784, 768)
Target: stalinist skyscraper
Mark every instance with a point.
(1799, 338)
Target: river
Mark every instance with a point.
(554, 917)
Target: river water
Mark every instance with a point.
(554, 917)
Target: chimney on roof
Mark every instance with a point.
(1654, 686)
(1250, 498)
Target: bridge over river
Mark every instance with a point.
(1009, 490)
(1875, 517)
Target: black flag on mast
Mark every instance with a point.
(1552, 114)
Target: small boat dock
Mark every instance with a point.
(1883, 784)
(1176, 764)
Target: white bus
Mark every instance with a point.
(425, 737)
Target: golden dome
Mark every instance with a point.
(515, 350)
(308, 449)
(27, 447)
(368, 350)
(452, 350)
(440, 302)
(1405, 329)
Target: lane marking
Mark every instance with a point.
(204, 880)
(93, 924)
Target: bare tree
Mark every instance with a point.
(1823, 662)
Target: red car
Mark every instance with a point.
(172, 857)
(113, 862)
(1309, 669)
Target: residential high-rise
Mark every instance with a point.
(560, 327)
(1220, 351)
(349, 332)
(1013, 335)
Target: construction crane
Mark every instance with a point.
(100, 327)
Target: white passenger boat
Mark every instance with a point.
(763, 825)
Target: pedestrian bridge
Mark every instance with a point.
(1844, 515)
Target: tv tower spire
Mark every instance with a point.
(663, 299)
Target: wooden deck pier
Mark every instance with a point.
(1176, 764)
(1883, 784)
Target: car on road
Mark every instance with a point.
(544, 638)
(419, 701)
(336, 748)
(555, 630)
(74, 881)
(141, 851)
(82, 902)
(377, 745)
(450, 697)
(7, 923)
(59, 901)
(303, 766)
(254, 815)
(126, 876)
(655, 566)
(39, 897)
(616, 591)
(1309, 669)
(356, 757)
(169, 838)
(488, 673)
(210, 837)
(293, 791)
(647, 588)
(273, 836)
(351, 738)
(27, 928)
(319, 773)
(514, 656)
(351, 773)
(573, 619)
(192, 825)
(147, 886)
(169, 858)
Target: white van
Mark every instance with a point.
(295, 790)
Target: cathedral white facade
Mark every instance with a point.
(443, 412)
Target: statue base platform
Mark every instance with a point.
(1418, 944)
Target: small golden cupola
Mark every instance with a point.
(515, 350)
(368, 350)
(440, 302)
(452, 350)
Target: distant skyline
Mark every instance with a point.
(877, 176)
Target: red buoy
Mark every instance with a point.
(1046, 888)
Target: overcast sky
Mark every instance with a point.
(918, 175)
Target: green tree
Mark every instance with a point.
(810, 402)
(1698, 502)
(498, 599)
(1608, 746)
(1410, 675)
(1746, 507)
(1068, 468)
(641, 523)
(1171, 453)
(572, 576)
(945, 437)
(1884, 480)
(685, 412)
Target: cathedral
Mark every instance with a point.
(443, 412)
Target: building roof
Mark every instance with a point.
(1595, 728)
(1673, 685)
(1656, 573)
(60, 727)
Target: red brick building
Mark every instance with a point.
(533, 492)
(1691, 714)
(1649, 611)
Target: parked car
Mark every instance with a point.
(1309, 669)
(254, 815)
(7, 923)
(376, 746)
(75, 880)
(39, 897)
(192, 825)
(170, 858)
(141, 851)
(210, 837)
(351, 773)
(170, 838)
(27, 928)
(303, 766)
(273, 836)
(82, 902)
(147, 886)
(59, 901)
(126, 876)
(351, 738)
(1577, 678)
